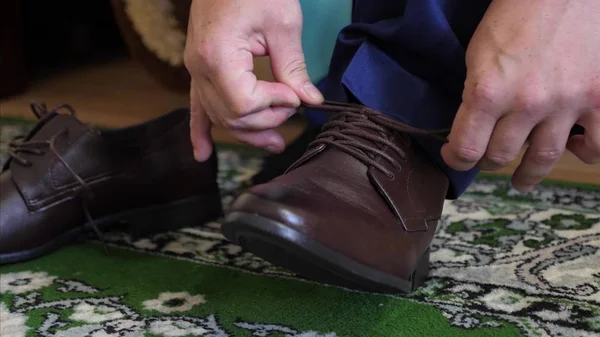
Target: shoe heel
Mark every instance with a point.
(190, 212)
(421, 274)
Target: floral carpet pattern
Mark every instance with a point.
(502, 264)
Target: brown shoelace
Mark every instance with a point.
(20, 146)
(353, 121)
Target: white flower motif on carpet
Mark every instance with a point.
(176, 328)
(12, 324)
(85, 312)
(174, 302)
(22, 282)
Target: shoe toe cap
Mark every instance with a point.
(274, 203)
(20, 229)
(13, 217)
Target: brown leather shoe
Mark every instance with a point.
(66, 177)
(358, 209)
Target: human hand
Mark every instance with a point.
(223, 37)
(533, 71)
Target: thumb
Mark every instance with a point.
(200, 126)
(289, 66)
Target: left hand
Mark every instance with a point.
(533, 71)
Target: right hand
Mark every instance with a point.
(223, 38)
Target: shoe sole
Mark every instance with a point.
(287, 248)
(138, 222)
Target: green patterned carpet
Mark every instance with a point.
(503, 264)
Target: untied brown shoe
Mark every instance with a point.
(358, 209)
(66, 178)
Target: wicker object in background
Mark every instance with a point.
(154, 31)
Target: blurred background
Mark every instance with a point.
(120, 62)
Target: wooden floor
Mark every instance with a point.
(122, 93)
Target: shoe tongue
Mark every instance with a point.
(399, 139)
(333, 161)
(342, 162)
(44, 181)
(48, 128)
(342, 177)
(361, 133)
(366, 130)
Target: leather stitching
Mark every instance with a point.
(410, 194)
(55, 161)
(68, 193)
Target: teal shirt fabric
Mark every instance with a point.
(323, 20)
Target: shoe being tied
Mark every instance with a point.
(359, 209)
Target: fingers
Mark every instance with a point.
(581, 147)
(587, 146)
(257, 129)
(244, 94)
(223, 38)
(265, 119)
(547, 145)
(229, 86)
(269, 118)
(508, 138)
(200, 127)
(240, 102)
(469, 138)
(267, 139)
(288, 63)
(253, 129)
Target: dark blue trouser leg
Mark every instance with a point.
(406, 58)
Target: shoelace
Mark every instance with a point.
(21, 146)
(354, 121)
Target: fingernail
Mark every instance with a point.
(525, 189)
(312, 91)
(197, 156)
(273, 149)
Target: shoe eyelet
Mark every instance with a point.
(391, 176)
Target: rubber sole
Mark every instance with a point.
(188, 212)
(287, 248)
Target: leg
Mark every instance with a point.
(410, 66)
